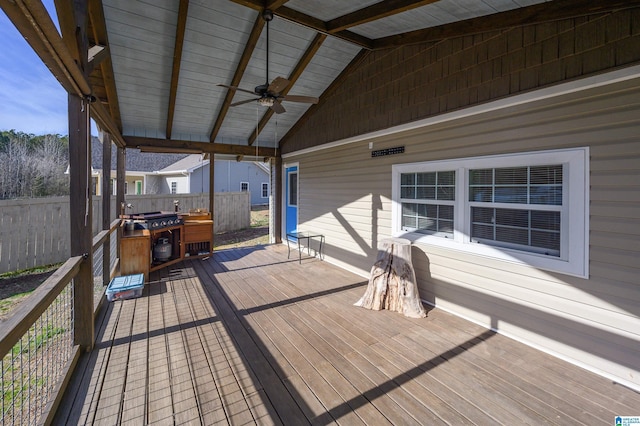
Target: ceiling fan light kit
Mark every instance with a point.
(267, 102)
(269, 94)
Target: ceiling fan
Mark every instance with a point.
(269, 94)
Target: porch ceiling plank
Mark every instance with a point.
(334, 85)
(183, 10)
(237, 75)
(293, 77)
(204, 147)
(374, 12)
(538, 13)
(99, 36)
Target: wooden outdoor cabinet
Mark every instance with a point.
(135, 253)
(198, 237)
(192, 239)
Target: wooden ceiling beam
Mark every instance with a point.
(293, 77)
(237, 76)
(374, 12)
(99, 36)
(309, 22)
(181, 27)
(96, 55)
(274, 4)
(66, 20)
(346, 72)
(203, 147)
(321, 27)
(542, 12)
(33, 37)
(33, 22)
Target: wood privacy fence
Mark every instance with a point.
(35, 231)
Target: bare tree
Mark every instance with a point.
(32, 166)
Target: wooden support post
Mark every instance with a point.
(106, 206)
(80, 204)
(392, 284)
(276, 190)
(120, 176)
(212, 194)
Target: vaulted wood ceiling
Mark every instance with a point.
(156, 64)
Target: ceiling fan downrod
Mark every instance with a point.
(267, 15)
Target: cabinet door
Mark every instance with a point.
(135, 256)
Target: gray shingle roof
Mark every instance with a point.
(135, 160)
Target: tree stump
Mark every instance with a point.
(392, 283)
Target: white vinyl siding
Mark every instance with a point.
(591, 320)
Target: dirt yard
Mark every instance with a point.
(16, 287)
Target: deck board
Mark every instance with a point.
(251, 337)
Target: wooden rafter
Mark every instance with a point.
(542, 12)
(34, 23)
(374, 12)
(293, 77)
(99, 36)
(309, 22)
(64, 11)
(177, 59)
(237, 76)
(355, 62)
(203, 147)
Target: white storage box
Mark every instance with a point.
(125, 287)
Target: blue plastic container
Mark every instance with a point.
(125, 287)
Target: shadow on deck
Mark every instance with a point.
(248, 336)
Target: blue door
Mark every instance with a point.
(291, 191)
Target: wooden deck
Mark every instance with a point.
(249, 337)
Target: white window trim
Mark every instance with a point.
(265, 184)
(171, 183)
(244, 183)
(574, 214)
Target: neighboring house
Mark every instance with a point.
(191, 175)
(138, 166)
(153, 173)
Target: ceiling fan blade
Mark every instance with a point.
(278, 85)
(305, 99)
(244, 102)
(277, 107)
(236, 88)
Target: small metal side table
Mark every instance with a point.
(304, 235)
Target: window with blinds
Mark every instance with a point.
(428, 202)
(529, 207)
(532, 219)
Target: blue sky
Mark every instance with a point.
(31, 99)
